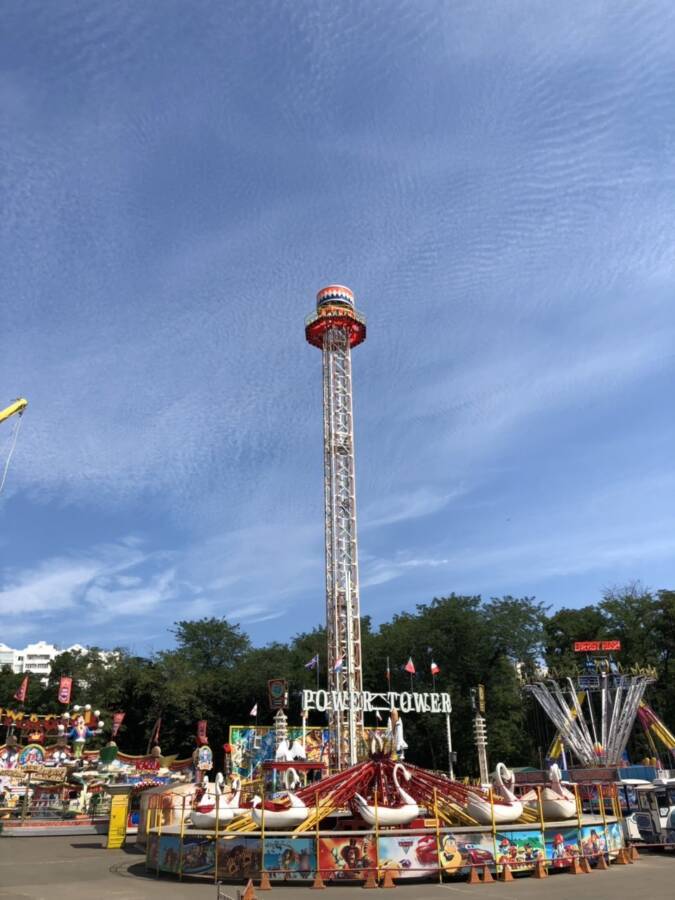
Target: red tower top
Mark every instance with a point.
(335, 309)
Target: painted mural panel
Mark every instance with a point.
(169, 853)
(409, 856)
(239, 857)
(346, 858)
(252, 745)
(199, 855)
(151, 848)
(290, 859)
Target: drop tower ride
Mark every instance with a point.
(335, 328)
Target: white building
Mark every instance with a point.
(38, 658)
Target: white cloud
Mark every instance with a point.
(400, 507)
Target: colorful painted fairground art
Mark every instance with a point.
(410, 856)
(198, 855)
(290, 859)
(239, 857)
(252, 745)
(564, 844)
(346, 858)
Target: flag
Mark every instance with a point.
(155, 732)
(434, 668)
(254, 710)
(22, 690)
(118, 718)
(339, 664)
(410, 666)
(313, 663)
(65, 688)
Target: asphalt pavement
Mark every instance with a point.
(79, 868)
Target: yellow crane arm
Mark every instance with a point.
(17, 407)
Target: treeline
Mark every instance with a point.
(215, 673)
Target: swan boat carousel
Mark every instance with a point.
(412, 820)
(372, 791)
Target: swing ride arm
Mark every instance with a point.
(17, 407)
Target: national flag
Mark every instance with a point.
(118, 718)
(155, 732)
(434, 668)
(410, 666)
(313, 663)
(65, 689)
(339, 664)
(23, 690)
(254, 710)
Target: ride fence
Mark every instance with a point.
(433, 852)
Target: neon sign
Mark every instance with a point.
(593, 646)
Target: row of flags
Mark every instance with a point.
(64, 692)
(313, 663)
(409, 667)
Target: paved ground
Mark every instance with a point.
(78, 868)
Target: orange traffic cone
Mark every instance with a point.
(473, 876)
(249, 891)
(506, 874)
(633, 853)
(540, 870)
(318, 882)
(586, 865)
(487, 875)
(602, 862)
(575, 868)
(265, 882)
(370, 881)
(621, 858)
(388, 879)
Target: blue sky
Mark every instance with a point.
(495, 182)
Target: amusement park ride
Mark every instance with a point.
(365, 812)
(14, 409)
(371, 811)
(335, 328)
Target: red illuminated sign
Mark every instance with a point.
(592, 646)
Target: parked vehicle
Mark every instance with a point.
(655, 816)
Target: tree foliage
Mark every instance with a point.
(214, 672)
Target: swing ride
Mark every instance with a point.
(17, 409)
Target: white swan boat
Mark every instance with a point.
(214, 807)
(557, 802)
(277, 819)
(507, 807)
(390, 815)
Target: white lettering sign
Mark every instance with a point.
(367, 701)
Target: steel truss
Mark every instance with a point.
(342, 574)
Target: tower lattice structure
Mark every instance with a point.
(335, 328)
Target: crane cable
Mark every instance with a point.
(15, 436)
